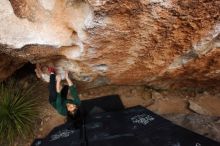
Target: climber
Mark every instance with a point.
(58, 96)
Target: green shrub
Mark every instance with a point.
(18, 111)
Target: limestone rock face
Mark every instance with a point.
(8, 65)
(165, 43)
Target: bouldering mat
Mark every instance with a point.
(134, 126)
(63, 135)
(108, 103)
(138, 126)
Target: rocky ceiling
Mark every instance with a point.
(163, 43)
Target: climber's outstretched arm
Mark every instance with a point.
(70, 83)
(58, 83)
(73, 90)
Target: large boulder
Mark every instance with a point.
(165, 43)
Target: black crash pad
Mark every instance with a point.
(134, 126)
(138, 126)
(108, 103)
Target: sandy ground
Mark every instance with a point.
(171, 104)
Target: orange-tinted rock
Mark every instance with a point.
(169, 105)
(8, 65)
(206, 105)
(161, 43)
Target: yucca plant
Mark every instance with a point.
(18, 111)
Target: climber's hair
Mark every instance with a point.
(74, 118)
(70, 116)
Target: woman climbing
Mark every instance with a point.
(58, 95)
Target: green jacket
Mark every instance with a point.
(60, 103)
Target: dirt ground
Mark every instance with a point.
(186, 108)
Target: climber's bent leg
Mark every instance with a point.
(52, 88)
